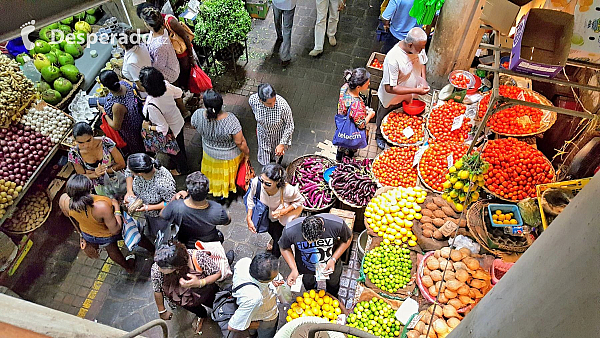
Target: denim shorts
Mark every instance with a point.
(102, 241)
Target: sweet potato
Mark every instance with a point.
(439, 214)
(448, 211)
(431, 206)
(426, 219)
(440, 202)
(438, 222)
(426, 212)
(437, 235)
(427, 233)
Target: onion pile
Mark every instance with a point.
(48, 121)
(21, 151)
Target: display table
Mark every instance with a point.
(90, 67)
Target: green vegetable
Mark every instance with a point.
(51, 96)
(221, 23)
(530, 212)
(63, 86)
(70, 72)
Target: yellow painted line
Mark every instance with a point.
(102, 274)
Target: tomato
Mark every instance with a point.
(434, 163)
(516, 120)
(440, 122)
(397, 122)
(394, 167)
(515, 168)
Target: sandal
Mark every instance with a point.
(198, 326)
(130, 257)
(270, 245)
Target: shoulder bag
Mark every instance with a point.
(176, 40)
(260, 213)
(347, 134)
(88, 249)
(155, 141)
(225, 305)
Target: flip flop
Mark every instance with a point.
(198, 326)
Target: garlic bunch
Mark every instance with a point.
(48, 121)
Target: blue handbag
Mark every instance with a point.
(347, 134)
(260, 212)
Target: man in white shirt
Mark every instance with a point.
(403, 76)
(136, 56)
(257, 309)
(283, 13)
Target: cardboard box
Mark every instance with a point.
(500, 14)
(542, 42)
(585, 43)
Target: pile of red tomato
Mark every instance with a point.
(434, 163)
(513, 120)
(515, 169)
(459, 80)
(376, 64)
(394, 167)
(396, 123)
(440, 122)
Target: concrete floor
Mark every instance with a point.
(56, 274)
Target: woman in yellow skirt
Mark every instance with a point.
(224, 145)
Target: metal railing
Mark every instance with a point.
(148, 326)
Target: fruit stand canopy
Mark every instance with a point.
(17, 13)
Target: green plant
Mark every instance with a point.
(221, 23)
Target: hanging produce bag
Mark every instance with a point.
(199, 81)
(347, 134)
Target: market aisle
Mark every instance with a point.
(99, 290)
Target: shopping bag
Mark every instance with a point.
(260, 212)
(199, 81)
(245, 175)
(155, 141)
(131, 231)
(112, 134)
(347, 134)
(177, 41)
(115, 186)
(217, 254)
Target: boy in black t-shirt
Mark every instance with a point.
(316, 239)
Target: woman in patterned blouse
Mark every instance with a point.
(350, 102)
(274, 123)
(185, 278)
(152, 183)
(94, 156)
(160, 48)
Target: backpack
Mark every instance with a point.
(225, 305)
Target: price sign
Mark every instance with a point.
(408, 132)
(457, 122)
(471, 112)
(521, 96)
(419, 154)
(450, 160)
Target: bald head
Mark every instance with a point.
(415, 35)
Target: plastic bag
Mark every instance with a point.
(199, 81)
(465, 242)
(530, 212)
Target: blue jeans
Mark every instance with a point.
(284, 20)
(100, 240)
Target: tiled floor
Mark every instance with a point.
(66, 280)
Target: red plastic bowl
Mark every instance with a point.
(416, 107)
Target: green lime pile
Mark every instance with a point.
(388, 267)
(376, 317)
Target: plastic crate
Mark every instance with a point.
(575, 186)
(505, 208)
(258, 9)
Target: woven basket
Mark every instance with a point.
(291, 169)
(476, 222)
(551, 116)
(401, 293)
(418, 143)
(7, 226)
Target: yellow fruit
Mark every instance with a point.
(299, 300)
(326, 307)
(404, 239)
(326, 299)
(289, 312)
(413, 237)
(498, 212)
(410, 217)
(320, 301)
(305, 295)
(458, 185)
(459, 207)
(408, 223)
(412, 242)
(309, 313)
(458, 164)
(501, 217)
(452, 169)
(463, 174)
(409, 233)
(513, 221)
(466, 188)
(288, 318)
(418, 216)
(302, 306)
(403, 231)
(295, 315)
(417, 208)
(386, 241)
(507, 217)
(453, 180)
(421, 200)
(338, 311)
(336, 303)
(308, 301)
(453, 194)
(495, 217)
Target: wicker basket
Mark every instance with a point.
(476, 222)
(418, 143)
(401, 293)
(291, 169)
(549, 116)
(7, 226)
